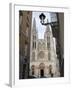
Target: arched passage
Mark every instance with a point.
(33, 69)
(41, 67)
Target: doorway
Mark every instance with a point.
(42, 73)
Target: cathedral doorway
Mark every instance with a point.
(41, 73)
(41, 67)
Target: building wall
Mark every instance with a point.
(25, 18)
(61, 39)
(61, 25)
(58, 33)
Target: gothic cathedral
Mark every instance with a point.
(43, 57)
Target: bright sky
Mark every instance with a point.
(40, 28)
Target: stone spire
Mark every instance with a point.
(47, 27)
(34, 24)
(34, 28)
(47, 30)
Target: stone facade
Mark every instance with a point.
(25, 18)
(58, 33)
(43, 58)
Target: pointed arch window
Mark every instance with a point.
(49, 56)
(48, 45)
(33, 69)
(48, 39)
(48, 42)
(33, 56)
(34, 44)
(34, 37)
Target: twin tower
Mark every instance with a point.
(43, 58)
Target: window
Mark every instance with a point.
(32, 72)
(48, 39)
(48, 45)
(49, 56)
(33, 56)
(34, 37)
(33, 69)
(34, 45)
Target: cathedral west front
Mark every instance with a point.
(43, 57)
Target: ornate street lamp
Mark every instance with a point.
(42, 18)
